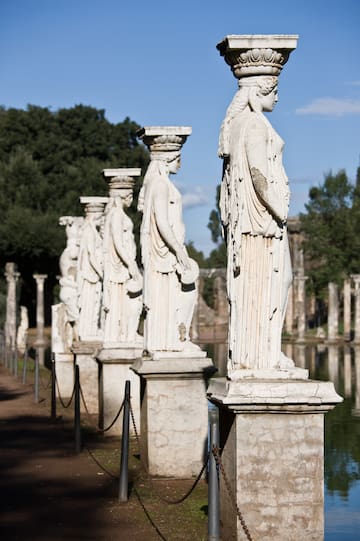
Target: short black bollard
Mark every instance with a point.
(15, 361)
(77, 421)
(124, 463)
(213, 486)
(53, 388)
(36, 377)
(26, 356)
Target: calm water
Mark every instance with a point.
(341, 365)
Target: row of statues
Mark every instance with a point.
(102, 288)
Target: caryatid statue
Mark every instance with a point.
(254, 205)
(169, 293)
(122, 288)
(68, 267)
(90, 269)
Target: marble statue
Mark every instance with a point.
(90, 269)
(22, 331)
(68, 269)
(122, 288)
(169, 273)
(254, 205)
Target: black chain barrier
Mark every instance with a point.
(115, 418)
(161, 498)
(65, 406)
(216, 454)
(45, 387)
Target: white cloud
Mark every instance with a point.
(355, 83)
(330, 107)
(196, 198)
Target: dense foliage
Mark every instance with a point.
(331, 228)
(47, 160)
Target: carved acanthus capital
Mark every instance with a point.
(120, 179)
(164, 138)
(93, 204)
(250, 55)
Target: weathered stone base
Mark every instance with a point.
(174, 415)
(85, 353)
(272, 451)
(114, 370)
(64, 366)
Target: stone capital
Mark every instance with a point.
(356, 278)
(121, 179)
(93, 204)
(40, 278)
(250, 55)
(164, 138)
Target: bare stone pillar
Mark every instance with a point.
(301, 307)
(347, 309)
(12, 277)
(347, 372)
(40, 318)
(356, 410)
(289, 317)
(356, 278)
(333, 312)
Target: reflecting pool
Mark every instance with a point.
(341, 365)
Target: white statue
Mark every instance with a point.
(90, 269)
(122, 297)
(169, 273)
(68, 267)
(22, 331)
(254, 206)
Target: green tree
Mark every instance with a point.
(47, 161)
(331, 230)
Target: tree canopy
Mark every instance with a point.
(331, 229)
(48, 159)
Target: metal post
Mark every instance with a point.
(15, 361)
(36, 377)
(26, 356)
(124, 468)
(53, 388)
(213, 486)
(77, 421)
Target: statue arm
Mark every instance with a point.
(257, 150)
(160, 205)
(117, 232)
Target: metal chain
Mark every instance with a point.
(45, 387)
(115, 419)
(113, 476)
(84, 402)
(216, 454)
(161, 498)
(65, 406)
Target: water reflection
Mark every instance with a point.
(341, 365)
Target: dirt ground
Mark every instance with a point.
(48, 493)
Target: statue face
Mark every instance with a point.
(128, 200)
(268, 102)
(174, 166)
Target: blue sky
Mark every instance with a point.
(156, 62)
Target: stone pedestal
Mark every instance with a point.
(85, 357)
(64, 364)
(114, 369)
(272, 451)
(174, 414)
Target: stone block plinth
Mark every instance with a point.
(85, 357)
(64, 366)
(174, 415)
(272, 452)
(114, 369)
